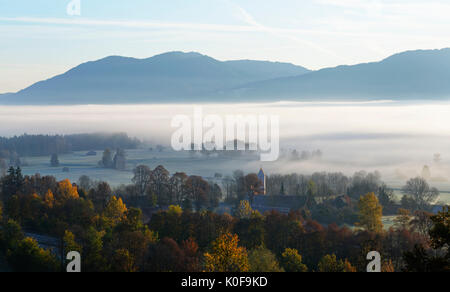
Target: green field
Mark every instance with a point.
(79, 164)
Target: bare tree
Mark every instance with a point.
(142, 178)
(177, 187)
(420, 193)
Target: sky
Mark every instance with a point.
(40, 39)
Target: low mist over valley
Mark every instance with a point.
(396, 138)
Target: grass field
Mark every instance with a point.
(79, 164)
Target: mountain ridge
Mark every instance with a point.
(168, 77)
(178, 77)
(420, 74)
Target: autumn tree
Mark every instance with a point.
(440, 232)
(291, 261)
(49, 199)
(191, 262)
(387, 267)
(226, 255)
(370, 213)
(66, 191)
(167, 256)
(244, 210)
(330, 264)
(115, 211)
(70, 244)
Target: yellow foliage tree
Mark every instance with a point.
(175, 210)
(388, 267)
(66, 191)
(115, 210)
(370, 213)
(348, 267)
(70, 244)
(330, 264)
(227, 256)
(49, 199)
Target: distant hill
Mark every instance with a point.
(170, 77)
(191, 77)
(408, 75)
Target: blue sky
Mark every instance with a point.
(38, 39)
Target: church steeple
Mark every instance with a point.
(262, 179)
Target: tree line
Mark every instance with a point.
(113, 236)
(13, 148)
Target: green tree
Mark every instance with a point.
(27, 256)
(311, 194)
(107, 160)
(12, 183)
(262, 260)
(291, 261)
(370, 213)
(12, 234)
(54, 160)
(93, 260)
(70, 244)
(120, 160)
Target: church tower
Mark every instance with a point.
(262, 179)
